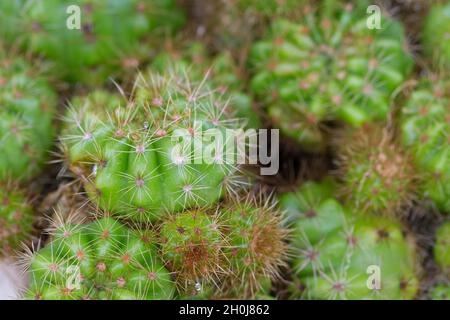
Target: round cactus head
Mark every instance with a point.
(328, 67)
(89, 41)
(337, 254)
(27, 108)
(378, 175)
(425, 128)
(16, 219)
(103, 259)
(163, 151)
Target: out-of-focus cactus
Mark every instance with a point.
(91, 40)
(27, 108)
(328, 66)
(340, 254)
(425, 129)
(436, 35)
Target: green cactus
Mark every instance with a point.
(328, 67)
(222, 74)
(425, 129)
(333, 249)
(9, 20)
(16, 218)
(442, 248)
(256, 247)
(441, 292)
(103, 259)
(27, 109)
(113, 35)
(154, 154)
(378, 176)
(436, 35)
(232, 251)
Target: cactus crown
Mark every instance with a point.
(155, 153)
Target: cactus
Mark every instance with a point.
(9, 20)
(26, 132)
(16, 218)
(113, 36)
(232, 251)
(378, 175)
(222, 73)
(103, 259)
(441, 292)
(425, 129)
(151, 155)
(335, 248)
(436, 35)
(329, 67)
(442, 248)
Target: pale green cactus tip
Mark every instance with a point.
(340, 254)
(307, 74)
(235, 250)
(26, 118)
(147, 156)
(99, 260)
(16, 219)
(425, 132)
(85, 42)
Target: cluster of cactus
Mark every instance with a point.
(227, 251)
(425, 129)
(329, 67)
(436, 35)
(155, 206)
(336, 250)
(152, 154)
(90, 41)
